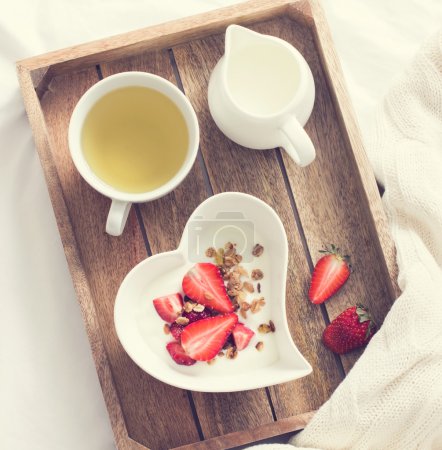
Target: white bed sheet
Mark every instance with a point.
(50, 398)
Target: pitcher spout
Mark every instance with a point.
(238, 38)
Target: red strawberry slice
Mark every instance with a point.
(178, 354)
(169, 307)
(329, 275)
(242, 336)
(204, 284)
(204, 339)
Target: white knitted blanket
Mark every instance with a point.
(392, 398)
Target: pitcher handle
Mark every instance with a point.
(296, 142)
(117, 217)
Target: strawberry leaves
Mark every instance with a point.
(364, 316)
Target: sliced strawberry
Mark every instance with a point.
(169, 307)
(203, 340)
(241, 336)
(204, 284)
(329, 275)
(179, 355)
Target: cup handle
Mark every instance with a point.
(117, 217)
(296, 142)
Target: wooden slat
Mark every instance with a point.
(155, 37)
(353, 139)
(106, 261)
(271, 430)
(331, 202)
(164, 221)
(79, 277)
(231, 167)
(224, 413)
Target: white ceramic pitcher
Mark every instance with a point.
(261, 94)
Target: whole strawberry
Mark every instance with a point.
(329, 275)
(352, 329)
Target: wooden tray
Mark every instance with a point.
(335, 199)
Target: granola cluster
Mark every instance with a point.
(265, 328)
(238, 281)
(238, 284)
(192, 306)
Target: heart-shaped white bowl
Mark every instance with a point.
(234, 217)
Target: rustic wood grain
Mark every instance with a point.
(353, 139)
(283, 426)
(316, 205)
(301, 12)
(231, 167)
(41, 78)
(106, 261)
(79, 276)
(155, 37)
(164, 221)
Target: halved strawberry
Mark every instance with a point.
(169, 307)
(179, 355)
(204, 339)
(242, 335)
(204, 284)
(329, 275)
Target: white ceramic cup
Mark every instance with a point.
(121, 201)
